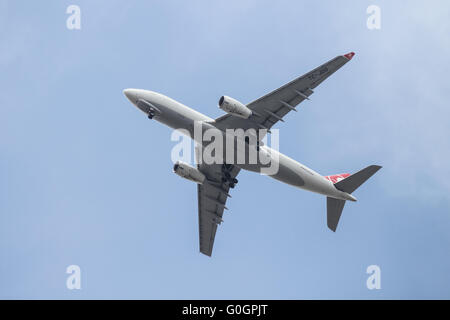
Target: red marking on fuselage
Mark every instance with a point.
(337, 177)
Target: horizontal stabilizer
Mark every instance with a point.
(352, 182)
(334, 210)
(348, 185)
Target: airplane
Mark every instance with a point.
(214, 180)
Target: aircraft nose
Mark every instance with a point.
(131, 94)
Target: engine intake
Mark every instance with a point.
(234, 107)
(187, 171)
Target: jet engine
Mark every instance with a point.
(188, 172)
(234, 107)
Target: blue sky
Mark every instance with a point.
(86, 179)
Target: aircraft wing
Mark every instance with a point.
(272, 107)
(212, 196)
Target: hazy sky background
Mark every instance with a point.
(86, 179)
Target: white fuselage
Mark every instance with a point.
(178, 116)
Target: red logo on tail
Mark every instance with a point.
(337, 177)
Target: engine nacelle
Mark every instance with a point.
(188, 172)
(234, 107)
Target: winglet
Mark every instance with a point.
(349, 56)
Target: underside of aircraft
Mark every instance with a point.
(214, 180)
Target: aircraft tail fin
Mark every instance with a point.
(334, 211)
(349, 184)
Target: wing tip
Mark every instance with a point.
(349, 55)
(207, 253)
